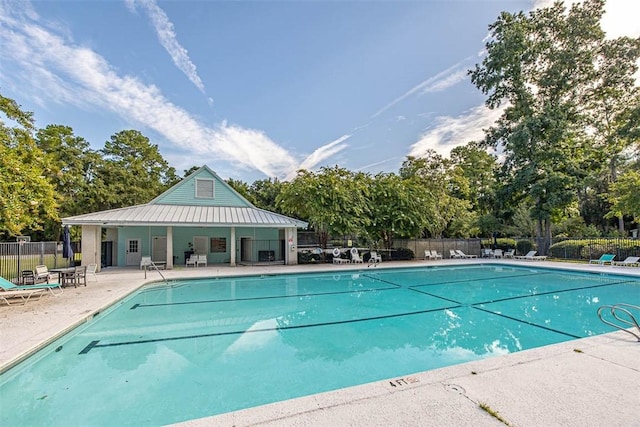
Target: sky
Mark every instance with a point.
(260, 89)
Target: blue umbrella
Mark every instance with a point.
(67, 252)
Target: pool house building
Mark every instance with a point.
(201, 215)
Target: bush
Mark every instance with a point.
(524, 246)
(595, 248)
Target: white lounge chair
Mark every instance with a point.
(510, 253)
(435, 255)
(463, 255)
(453, 254)
(497, 253)
(355, 256)
(337, 257)
(531, 256)
(630, 261)
(427, 255)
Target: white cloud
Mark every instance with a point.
(437, 83)
(450, 132)
(320, 154)
(168, 39)
(620, 19)
(49, 68)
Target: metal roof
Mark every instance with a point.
(185, 216)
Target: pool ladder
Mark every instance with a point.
(152, 264)
(623, 323)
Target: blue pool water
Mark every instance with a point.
(203, 347)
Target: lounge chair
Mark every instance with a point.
(435, 255)
(355, 256)
(497, 253)
(202, 260)
(604, 259)
(337, 257)
(531, 256)
(453, 254)
(463, 255)
(24, 295)
(7, 286)
(427, 255)
(630, 261)
(487, 253)
(509, 254)
(191, 261)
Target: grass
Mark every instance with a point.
(485, 407)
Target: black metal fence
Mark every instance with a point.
(17, 257)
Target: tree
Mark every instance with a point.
(27, 199)
(265, 193)
(333, 201)
(396, 208)
(439, 180)
(625, 196)
(73, 165)
(242, 188)
(133, 172)
(542, 68)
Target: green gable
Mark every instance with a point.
(202, 188)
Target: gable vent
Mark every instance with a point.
(204, 188)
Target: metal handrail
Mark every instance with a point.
(157, 269)
(615, 311)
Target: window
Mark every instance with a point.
(218, 244)
(204, 188)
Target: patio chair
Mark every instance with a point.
(435, 255)
(497, 253)
(487, 253)
(355, 256)
(630, 261)
(79, 276)
(463, 255)
(453, 254)
(191, 261)
(201, 260)
(42, 273)
(603, 260)
(145, 261)
(374, 258)
(7, 286)
(24, 295)
(509, 254)
(91, 269)
(427, 255)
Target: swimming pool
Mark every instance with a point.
(203, 347)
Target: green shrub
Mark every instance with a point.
(524, 246)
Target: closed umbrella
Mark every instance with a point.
(67, 252)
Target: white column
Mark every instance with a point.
(291, 245)
(232, 247)
(169, 264)
(91, 249)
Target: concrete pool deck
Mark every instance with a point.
(588, 382)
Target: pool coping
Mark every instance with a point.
(34, 325)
